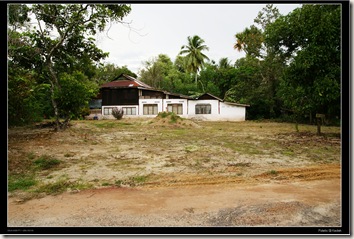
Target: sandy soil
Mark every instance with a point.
(223, 193)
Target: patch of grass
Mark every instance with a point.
(139, 179)
(163, 114)
(62, 185)
(55, 188)
(46, 162)
(21, 182)
(273, 172)
(288, 152)
(119, 183)
(172, 116)
(111, 124)
(191, 148)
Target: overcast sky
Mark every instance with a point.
(163, 28)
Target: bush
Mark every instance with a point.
(117, 113)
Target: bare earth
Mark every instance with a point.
(192, 183)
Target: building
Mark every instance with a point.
(138, 99)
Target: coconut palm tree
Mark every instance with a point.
(224, 63)
(194, 56)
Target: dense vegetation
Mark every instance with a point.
(291, 71)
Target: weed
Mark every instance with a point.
(21, 182)
(46, 162)
(273, 172)
(54, 188)
(62, 185)
(118, 183)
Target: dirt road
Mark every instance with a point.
(299, 203)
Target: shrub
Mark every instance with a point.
(117, 113)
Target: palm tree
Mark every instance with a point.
(224, 63)
(194, 58)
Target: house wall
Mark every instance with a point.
(232, 112)
(104, 116)
(184, 103)
(214, 108)
(219, 110)
(143, 102)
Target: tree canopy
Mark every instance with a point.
(60, 41)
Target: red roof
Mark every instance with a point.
(124, 81)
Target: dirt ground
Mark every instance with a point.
(153, 173)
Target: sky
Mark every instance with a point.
(163, 29)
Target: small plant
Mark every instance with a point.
(273, 172)
(22, 182)
(117, 113)
(46, 162)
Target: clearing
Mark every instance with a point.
(173, 172)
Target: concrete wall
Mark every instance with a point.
(219, 110)
(232, 112)
(184, 103)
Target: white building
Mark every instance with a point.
(140, 100)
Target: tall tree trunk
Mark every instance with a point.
(54, 83)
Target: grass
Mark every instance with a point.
(129, 146)
(132, 181)
(46, 162)
(273, 172)
(21, 182)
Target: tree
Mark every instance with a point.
(108, 72)
(309, 39)
(63, 39)
(270, 65)
(155, 70)
(194, 56)
(249, 41)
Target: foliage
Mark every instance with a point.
(311, 45)
(156, 70)
(117, 113)
(61, 43)
(20, 182)
(78, 85)
(108, 72)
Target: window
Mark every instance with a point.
(203, 109)
(175, 108)
(150, 109)
(107, 110)
(129, 110)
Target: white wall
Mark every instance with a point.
(219, 110)
(184, 103)
(214, 109)
(143, 102)
(232, 112)
(119, 106)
